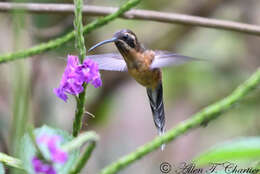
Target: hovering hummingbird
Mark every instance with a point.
(143, 65)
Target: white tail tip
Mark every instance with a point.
(162, 147)
(161, 132)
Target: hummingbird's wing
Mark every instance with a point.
(109, 62)
(166, 58)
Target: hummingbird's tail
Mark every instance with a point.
(156, 103)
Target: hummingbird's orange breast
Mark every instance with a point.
(139, 68)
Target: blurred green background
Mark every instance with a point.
(123, 116)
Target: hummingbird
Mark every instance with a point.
(144, 65)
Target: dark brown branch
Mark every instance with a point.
(135, 14)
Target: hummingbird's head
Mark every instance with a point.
(125, 40)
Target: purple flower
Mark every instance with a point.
(56, 153)
(75, 75)
(40, 167)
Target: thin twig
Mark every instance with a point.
(91, 10)
(204, 116)
(67, 37)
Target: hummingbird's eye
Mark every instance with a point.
(125, 37)
(128, 40)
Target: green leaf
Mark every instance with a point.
(28, 151)
(247, 148)
(2, 170)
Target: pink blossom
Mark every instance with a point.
(75, 75)
(56, 153)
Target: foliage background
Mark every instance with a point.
(123, 117)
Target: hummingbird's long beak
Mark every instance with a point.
(102, 43)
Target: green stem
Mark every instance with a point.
(11, 161)
(80, 44)
(77, 142)
(204, 116)
(84, 158)
(77, 124)
(64, 39)
(21, 87)
(79, 38)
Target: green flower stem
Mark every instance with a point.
(84, 158)
(64, 39)
(80, 44)
(204, 116)
(20, 83)
(77, 142)
(11, 161)
(79, 38)
(77, 124)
